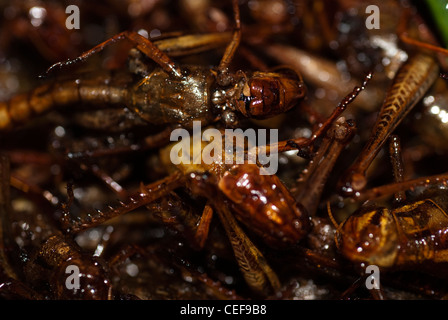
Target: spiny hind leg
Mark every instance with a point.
(147, 194)
(253, 265)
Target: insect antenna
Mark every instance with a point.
(405, 38)
(335, 223)
(423, 45)
(300, 143)
(330, 215)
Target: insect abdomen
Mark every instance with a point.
(22, 107)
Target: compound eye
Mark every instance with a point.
(247, 101)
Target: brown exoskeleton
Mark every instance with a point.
(412, 234)
(261, 202)
(170, 94)
(409, 85)
(46, 264)
(411, 82)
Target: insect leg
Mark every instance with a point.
(429, 40)
(377, 294)
(204, 225)
(156, 140)
(313, 180)
(26, 187)
(178, 215)
(294, 144)
(192, 44)
(411, 82)
(6, 243)
(389, 189)
(148, 194)
(397, 166)
(256, 271)
(144, 45)
(236, 39)
(105, 178)
(17, 290)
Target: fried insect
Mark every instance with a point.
(46, 266)
(412, 234)
(410, 84)
(170, 93)
(49, 266)
(261, 202)
(268, 232)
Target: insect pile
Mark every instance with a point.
(93, 206)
